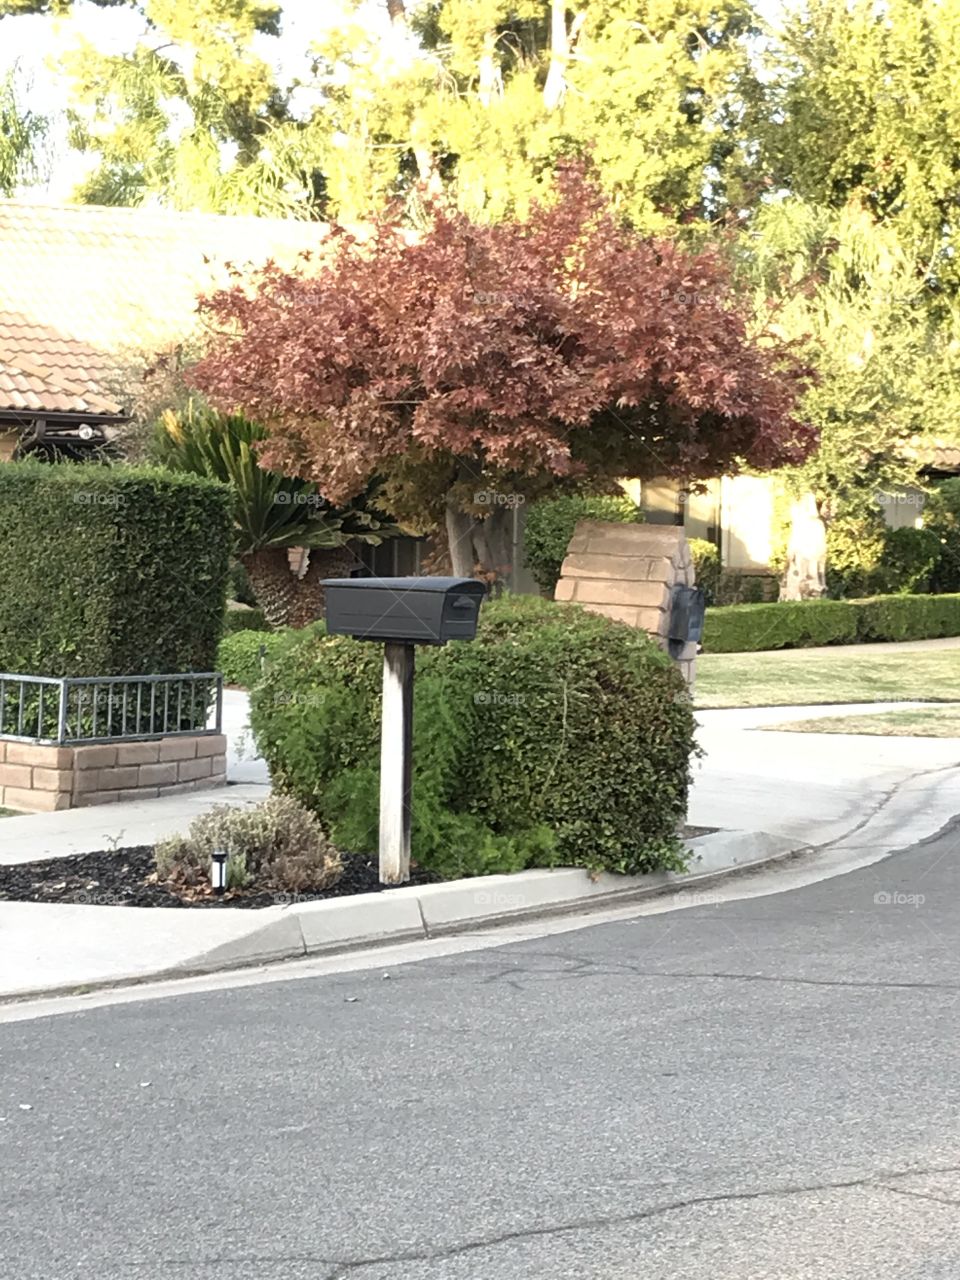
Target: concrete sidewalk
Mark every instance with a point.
(806, 786)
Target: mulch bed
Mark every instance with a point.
(121, 878)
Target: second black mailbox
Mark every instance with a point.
(411, 610)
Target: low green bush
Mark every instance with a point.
(240, 588)
(706, 564)
(550, 523)
(802, 623)
(275, 845)
(908, 617)
(245, 620)
(557, 737)
(242, 655)
(747, 628)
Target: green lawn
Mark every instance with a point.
(797, 677)
(8, 813)
(916, 722)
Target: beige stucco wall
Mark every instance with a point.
(902, 507)
(740, 508)
(747, 504)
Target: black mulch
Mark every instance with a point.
(118, 879)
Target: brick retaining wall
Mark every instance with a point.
(43, 779)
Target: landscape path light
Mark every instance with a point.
(218, 870)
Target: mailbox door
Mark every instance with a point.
(461, 609)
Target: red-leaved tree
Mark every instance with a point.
(479, 364)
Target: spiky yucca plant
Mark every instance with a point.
(274, 514)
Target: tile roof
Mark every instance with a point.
(934, 453)
(88, 292)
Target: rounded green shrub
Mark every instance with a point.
(550, 524)
(854, 550)
(907, 561)
(245, 620)
(557, 737)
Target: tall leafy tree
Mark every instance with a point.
(192, 115)
(861, 102)
(886, 346)
(478, 362)
(485, 97)
(21, 133)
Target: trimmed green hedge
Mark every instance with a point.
(557, 737)
(750, 628)
(245, 620)
(241, 655)
(550, 524)
(111, 570)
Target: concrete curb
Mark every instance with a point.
(308, 928)
(377, 919)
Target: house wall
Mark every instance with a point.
(902, 507)
(746, 513)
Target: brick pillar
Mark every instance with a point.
(628, 572)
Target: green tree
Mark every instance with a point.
(484, 97)
(886, 346)
(861, 102)
(21, 132)
(273, 514)
(192, 115)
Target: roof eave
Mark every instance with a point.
(26, 417)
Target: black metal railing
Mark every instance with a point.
(94, 709)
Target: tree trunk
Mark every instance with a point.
(460, 541)
(397, 10)
(308, 600)
(272, 583)
(562, 41)
(805, 576)
(489, 79)
(481, 546)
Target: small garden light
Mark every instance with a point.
(218, 870)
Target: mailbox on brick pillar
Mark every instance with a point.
(401, 612)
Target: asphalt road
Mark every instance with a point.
(766, 1089)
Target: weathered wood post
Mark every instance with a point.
(396, 762)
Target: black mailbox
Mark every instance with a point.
(687, 608)
(411, 610)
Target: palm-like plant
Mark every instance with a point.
(289, 538)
